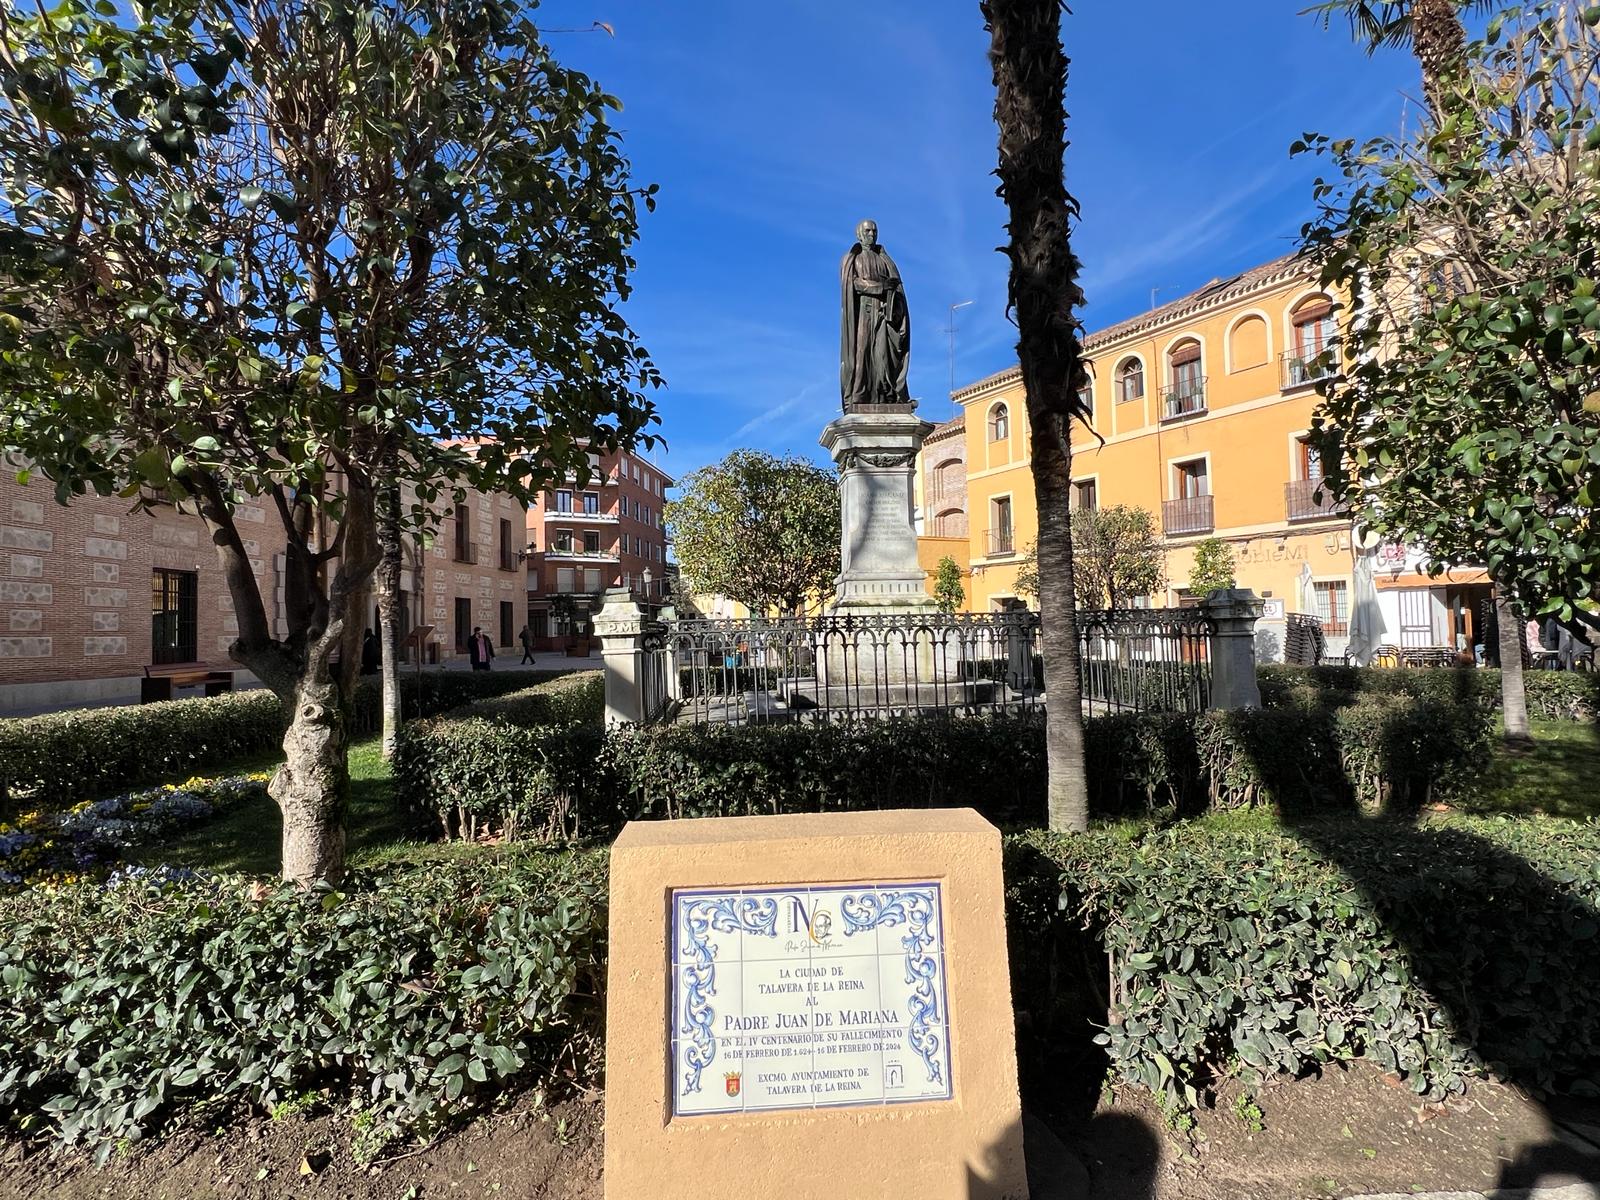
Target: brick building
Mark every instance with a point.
(91, 593)
(584, 538)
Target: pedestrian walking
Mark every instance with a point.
(527, 645)
(480, 650)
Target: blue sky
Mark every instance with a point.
(773, 126)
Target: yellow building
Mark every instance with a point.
(1200, 413)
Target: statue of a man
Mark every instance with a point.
(875, 332)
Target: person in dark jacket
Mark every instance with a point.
(371, 654)
(480, 650)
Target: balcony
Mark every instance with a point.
(578, 554)
(1183, 400)
(510, 560)
(1002, 541)
(1302, 370)
(466, 552)
(1190, 514)
(600, 518)
(1302, 501)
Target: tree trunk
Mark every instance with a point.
(312, 787)
(1513, 696)
(389, 605)
(1030, 75)
(1439, 41)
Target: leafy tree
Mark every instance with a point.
(762, 530)
(1029, 68)
(947, 589)
(1213, 567)
(1117, 554)
(289, 250)
(1465, 421)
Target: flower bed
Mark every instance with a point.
(58, 847)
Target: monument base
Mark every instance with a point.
(816, 1007)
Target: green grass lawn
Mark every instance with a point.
(1558, 776)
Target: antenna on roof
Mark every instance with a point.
(1163, 288)
(951, 330)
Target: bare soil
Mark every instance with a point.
(1346, 1133)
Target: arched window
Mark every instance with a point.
(945, 478)
(999, 423)
(1130, 380)
(1314, 330)
(1186, 395)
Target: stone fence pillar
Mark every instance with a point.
(620, 626)
(1232, 614)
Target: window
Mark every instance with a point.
(508, 617)
(174, 607)
(636, 472)
(565, 580)
(563, 500)
(1308, 461)
(591, 503)
(591, 541)
(591, 580)
(463, 622)
(508, 552)
(1130, 380)
(1314, 332)
(562, 542)
(999, 423)
(1086, 495)
(1001, 537)
(1192, 479)
(1333, 605)
(463, 534)
(1086, 399)
(1187, 394)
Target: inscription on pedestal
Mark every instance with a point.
(808, 996)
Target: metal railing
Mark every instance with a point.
(467, 553)
(1188, 514)
(834, 669)
(1144, 660)
(1003, 540)
(1308, 500)
(1301, 369)
(1185, 399)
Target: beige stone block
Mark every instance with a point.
(107, 572)
(884, 1066)
(105, 622)
(167, 534)
(14, 591)
(253, 513)
(98, 647)
(25, 647)
(108, 525)
(26, 566)
(100, 597)
(104, 548)
(14, 538)
(26, 620)
(28, 512)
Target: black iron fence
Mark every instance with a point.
(967, 664)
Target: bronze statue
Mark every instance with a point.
(875, 332)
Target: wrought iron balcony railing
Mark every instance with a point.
(1186, 399)
(1303, 368)
(1002, 540)
(1308, 500)
(466, 552)
(1189, 514)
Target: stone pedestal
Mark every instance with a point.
(813, 1007)
(875, 447)
(1233, 613)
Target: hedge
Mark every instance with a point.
(416, 992)
(1552, 695)
(55, 760)
(581, 780)
(1439, 953)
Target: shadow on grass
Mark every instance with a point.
(1510, 954)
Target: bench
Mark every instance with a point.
(160, 678)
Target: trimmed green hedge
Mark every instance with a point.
(1439, 953)
(417, 992)
(1552, 695)
(55, 760)
(581, 780)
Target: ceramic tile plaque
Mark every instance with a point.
(807, 996)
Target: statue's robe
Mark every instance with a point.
(874, 332)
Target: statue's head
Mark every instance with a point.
(867, 233)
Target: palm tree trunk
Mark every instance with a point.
(1513, 694)
(1030, 75)
(1439, 41)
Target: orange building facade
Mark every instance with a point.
(1200, 412)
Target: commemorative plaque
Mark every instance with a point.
(807, 996)
(780, 985)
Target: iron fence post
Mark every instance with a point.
(1232, 614)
